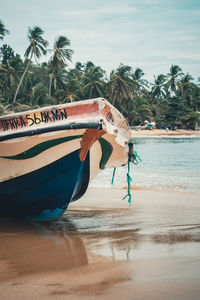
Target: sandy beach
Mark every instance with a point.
(166, 133)
(102, 249)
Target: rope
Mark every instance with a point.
(135, 159)
(129, 180)
(113, 176)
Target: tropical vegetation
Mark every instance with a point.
(171, 100)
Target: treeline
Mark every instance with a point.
(172, 100)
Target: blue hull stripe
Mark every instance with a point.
(47, 189)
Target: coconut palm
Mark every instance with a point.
(40, 95)
(124, 71)
(185, 88)
(75, 83)
(93, 83)
(61, 53)
(3, 30)
(175, 72)
(137, 82)
(11, 79)
(184, 82)
(36, 48)
(6, 53)
(59, 81)
(10, 75)
(119, 84)
(140, 111)
(158, 89)
(78, 66)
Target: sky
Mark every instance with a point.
(147, 34)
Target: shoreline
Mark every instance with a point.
(179, 133)
(135, 187)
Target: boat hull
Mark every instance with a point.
(45, 193)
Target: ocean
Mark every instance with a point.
(167, 164)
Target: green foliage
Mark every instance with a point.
(6, 53)
(3, 30)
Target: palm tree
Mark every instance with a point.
(74, 79)
(158, 89)
(10, 75)
(185, 88)
(89, 65)
(39, 96)
(11, 79)
(6, 53)
(59, 80)
(60, 54)
(3, 30)
(137, 82)
(78, 66)
(140, 111)
(36, 48)
(120, 84)
(93, 84)
(175, 72)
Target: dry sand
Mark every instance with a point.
(102, 249)
(166, 133)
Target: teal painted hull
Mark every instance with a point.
(44, 194)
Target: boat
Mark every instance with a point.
(49, 155)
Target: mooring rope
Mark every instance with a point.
(128, 180)
(135, 159)
(113, 176)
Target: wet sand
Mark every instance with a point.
(102, 249)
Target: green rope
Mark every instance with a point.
(136, 158)
(113, 176)
(129, 180)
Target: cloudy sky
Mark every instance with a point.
(150, 34)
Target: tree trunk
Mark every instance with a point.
(21, 80)
(50, 84)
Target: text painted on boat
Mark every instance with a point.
(54, 115)
(34, 119)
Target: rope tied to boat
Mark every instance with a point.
(128, 180)
(134, 158)
(113, 176)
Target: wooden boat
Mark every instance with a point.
(49, 155)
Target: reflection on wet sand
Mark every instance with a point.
(120, 235)
(74, 240)
(97, 253)
(28, 248)
(53, 258)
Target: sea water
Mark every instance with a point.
(167, 164)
